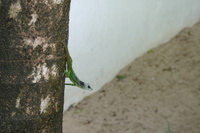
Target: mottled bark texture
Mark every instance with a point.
(32, 61)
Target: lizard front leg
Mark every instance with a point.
(67, 74)
(70, 84)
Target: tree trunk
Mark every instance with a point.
(32, 61)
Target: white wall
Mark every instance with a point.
(106, 35)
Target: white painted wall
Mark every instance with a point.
(106, 35)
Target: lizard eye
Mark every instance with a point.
(89, 86)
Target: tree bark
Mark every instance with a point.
(32, 61)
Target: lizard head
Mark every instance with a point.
(85, 86)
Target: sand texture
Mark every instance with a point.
(159, 87)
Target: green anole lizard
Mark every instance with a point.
(72, 76)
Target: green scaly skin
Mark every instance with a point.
(72, 76)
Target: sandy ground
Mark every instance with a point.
(159, 87)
